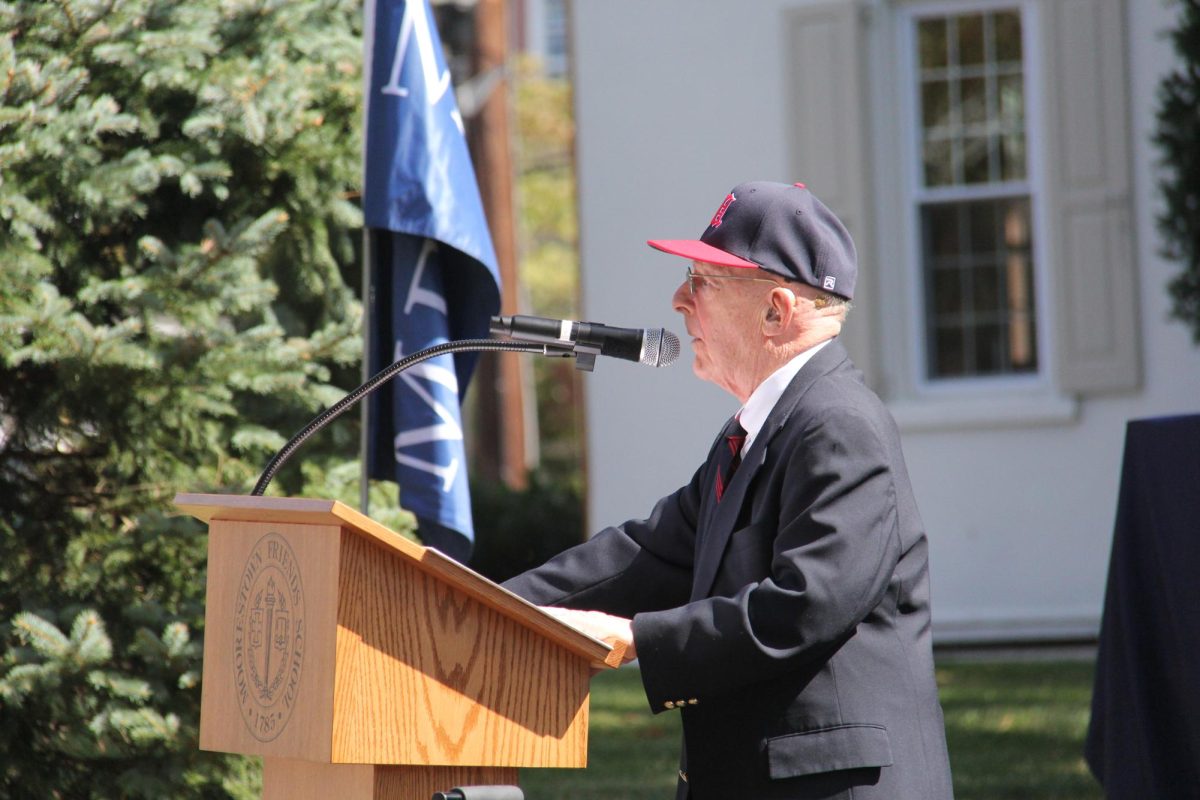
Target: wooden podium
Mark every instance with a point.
(363, 666)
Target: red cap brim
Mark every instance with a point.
(699, 251)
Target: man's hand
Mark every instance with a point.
(605, 627)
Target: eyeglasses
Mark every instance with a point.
(692, 276)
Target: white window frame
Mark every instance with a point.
(913, 194)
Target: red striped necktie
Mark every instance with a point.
(729, 455)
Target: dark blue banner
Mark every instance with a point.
(433, 269)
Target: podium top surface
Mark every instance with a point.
(312, 511)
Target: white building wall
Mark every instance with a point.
(679, 100)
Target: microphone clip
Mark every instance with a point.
(585, 361)
(584, 355)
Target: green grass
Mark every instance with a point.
(632, 753)
(1015, 732)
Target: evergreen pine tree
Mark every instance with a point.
(1177, 137)
(178, 239)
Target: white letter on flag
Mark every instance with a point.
(447, 430)
(416, 23)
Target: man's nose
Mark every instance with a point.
(681, 301)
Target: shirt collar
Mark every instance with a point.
(763, 399)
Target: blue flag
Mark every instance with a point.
(432, 269)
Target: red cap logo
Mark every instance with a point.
(720, 215)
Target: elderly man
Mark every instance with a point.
(780, 600)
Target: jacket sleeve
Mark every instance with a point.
(642, 565)
(836, 546)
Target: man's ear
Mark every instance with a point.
(778, 313)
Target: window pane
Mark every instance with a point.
(981, 227)
(988, 349)
(931, 37)
(1011, 91)
(970, 39)
(1006, 28)
(1012, 158)
(948, 354)
(985, 290)
(976, 160)
(947, 292)
(974, 101)
(1015, 225)
(556, 37)
(942, 231)
(939, 170)
(935, 104)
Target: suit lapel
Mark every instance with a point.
(717, 523)
(722, 516)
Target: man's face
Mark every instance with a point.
(723, 318)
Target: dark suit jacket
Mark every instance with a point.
(789, 623)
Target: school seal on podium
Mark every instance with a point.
(268, 637)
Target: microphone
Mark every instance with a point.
(653, 347)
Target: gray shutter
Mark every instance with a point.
(827, 130)
(1089, 217)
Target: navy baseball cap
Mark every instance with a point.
(782, 228)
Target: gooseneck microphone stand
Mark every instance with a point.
(386, 374)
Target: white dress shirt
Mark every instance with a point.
(767, 394)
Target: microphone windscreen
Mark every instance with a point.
(661, 348)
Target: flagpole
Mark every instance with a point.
(368, 254)
(491, 142)
(364, 484)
